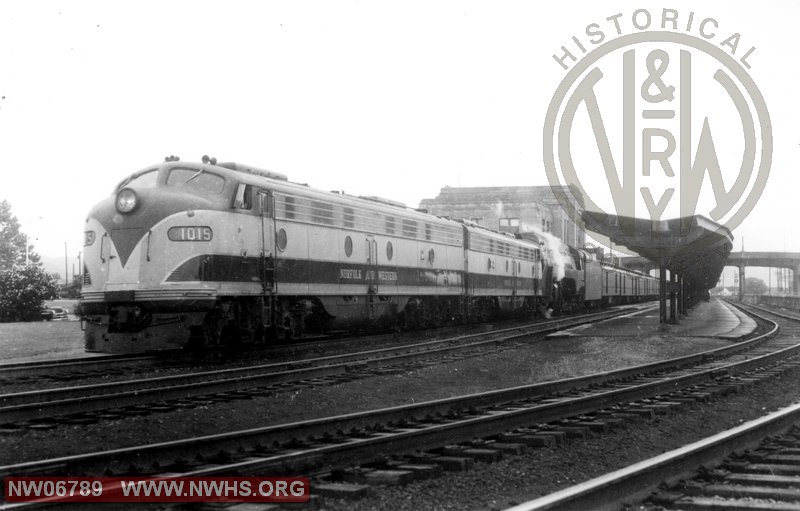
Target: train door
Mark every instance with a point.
(266, 206)
(514, 276)
(466, 303)
(371, 275)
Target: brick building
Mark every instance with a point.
(512, 209)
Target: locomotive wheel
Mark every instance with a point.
(423, 316)
(486, 312)
(409, 319)
(217, 329)
(230, 335)
(212, 330)
(267, 335)
(258, 335)
(206, 335)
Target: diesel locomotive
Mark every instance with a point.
(187, 254)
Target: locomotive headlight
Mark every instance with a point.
(126, 201)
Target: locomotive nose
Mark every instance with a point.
(133, 212)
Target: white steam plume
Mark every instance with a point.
(553, 250)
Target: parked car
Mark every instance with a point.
(54, 313)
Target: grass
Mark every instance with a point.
(41, 340)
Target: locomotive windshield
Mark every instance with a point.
(201, 180)
(146, 179)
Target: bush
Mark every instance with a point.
(23, 290)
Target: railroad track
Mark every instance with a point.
(757, 467)
(501, 420)
(86, 367)
(105, 365)
(765, 477)
(69, 368)
(90, 403)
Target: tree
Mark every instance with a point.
(23, 290)
(23, 287)
(754, 286)
(12, 241)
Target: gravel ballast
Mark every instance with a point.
(539, 472)
(539, 361)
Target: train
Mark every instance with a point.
(199, 254)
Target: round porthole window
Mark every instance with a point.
(281, 241)
(348, 246)
(431, 256)
(389, 251)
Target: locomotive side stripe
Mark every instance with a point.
(225, 268)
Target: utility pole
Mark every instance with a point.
(611, 249)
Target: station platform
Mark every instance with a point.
(714, 318)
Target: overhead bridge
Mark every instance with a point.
(790, 260)
(741, 260)
(692, 249)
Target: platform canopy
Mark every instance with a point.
(694, 247)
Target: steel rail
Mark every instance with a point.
(38, 404)
(395, 429)
(768, 310)
(636, 481)
(47, 367)
(101, 361)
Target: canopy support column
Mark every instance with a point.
(682, 295)
(741, 283)
(662, 293)
(673, 299)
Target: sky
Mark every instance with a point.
(394, 99)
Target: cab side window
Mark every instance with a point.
(244, 197)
